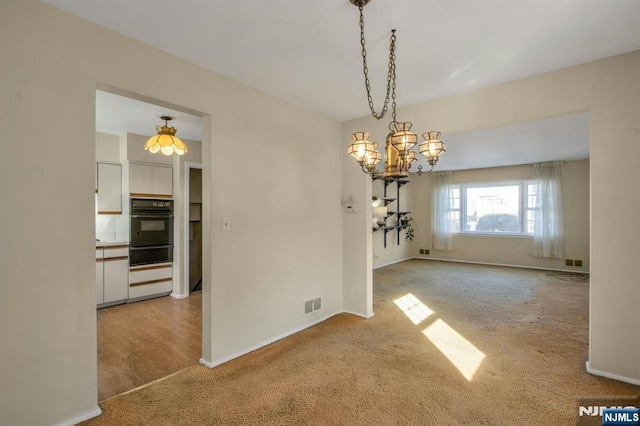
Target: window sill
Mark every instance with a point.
(492, 235)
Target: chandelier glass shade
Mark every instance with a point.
(399, 153)
(432, 147)
(403, 139)
(165, 142)
(364, 151)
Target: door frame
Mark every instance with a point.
(188, 165)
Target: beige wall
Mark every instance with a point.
(107, 147)
(512, 251)
(609, 90)
(286, 239)
(132, 149)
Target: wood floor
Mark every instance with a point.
(145, 341)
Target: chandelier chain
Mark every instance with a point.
(391, 74)
(398, 151)
(392, 65)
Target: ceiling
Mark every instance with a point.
(117, 114)
(558, 138)
(308, 52)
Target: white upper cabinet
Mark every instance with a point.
(162, 180)
(148, 180)
(109, 192)
(140, 178)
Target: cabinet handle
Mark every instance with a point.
(111, 259)
(162, 280)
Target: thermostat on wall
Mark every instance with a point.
(351, 208)
(349, 205)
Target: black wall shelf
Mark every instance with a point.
(388, 200)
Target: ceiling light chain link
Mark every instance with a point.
(391, 74)
(392, 66)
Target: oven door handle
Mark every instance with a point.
(150, 247)
(151, 216)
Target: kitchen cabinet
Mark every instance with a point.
(148, 180)
(99, 276)
(150, 281)
(112, 286)
(109, 198)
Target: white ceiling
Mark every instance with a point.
(308, 52)
(117, 114)
(558, 138)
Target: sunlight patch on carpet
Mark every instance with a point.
(413, 308)
(462, 354)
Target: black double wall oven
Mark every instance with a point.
(151, 231)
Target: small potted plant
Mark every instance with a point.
(405, 222)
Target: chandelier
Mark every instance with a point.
(166, 141)
(399, 153)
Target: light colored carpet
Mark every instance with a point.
(531, 329)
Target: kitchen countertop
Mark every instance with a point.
(109, 243)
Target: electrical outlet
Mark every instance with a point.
(578, 263)
(568, 262)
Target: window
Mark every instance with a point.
(503, 208)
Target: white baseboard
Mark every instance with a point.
(612, 375)
(95, 412)
(502, 264)
(179, 296)
(206, 363)
(215, 363)
(392, 263)
(359, 315)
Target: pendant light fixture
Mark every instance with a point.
(166, 141)
(399, 153)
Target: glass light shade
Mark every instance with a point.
(377, 202)
(380, 212)
(432, 147)
(165, 142)
(362, 150)
(373, 158)
(402, 138)
(410, 158)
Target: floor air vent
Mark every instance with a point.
(313, 305)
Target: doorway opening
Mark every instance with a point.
(144, 334)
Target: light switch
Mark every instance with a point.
(226, 224)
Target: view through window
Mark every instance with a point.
(495, 208)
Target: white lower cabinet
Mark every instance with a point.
(150, 281)
(116, 284)
(99, 279)
(112, 275)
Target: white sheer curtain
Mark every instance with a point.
(443, 220)
(548, 224)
